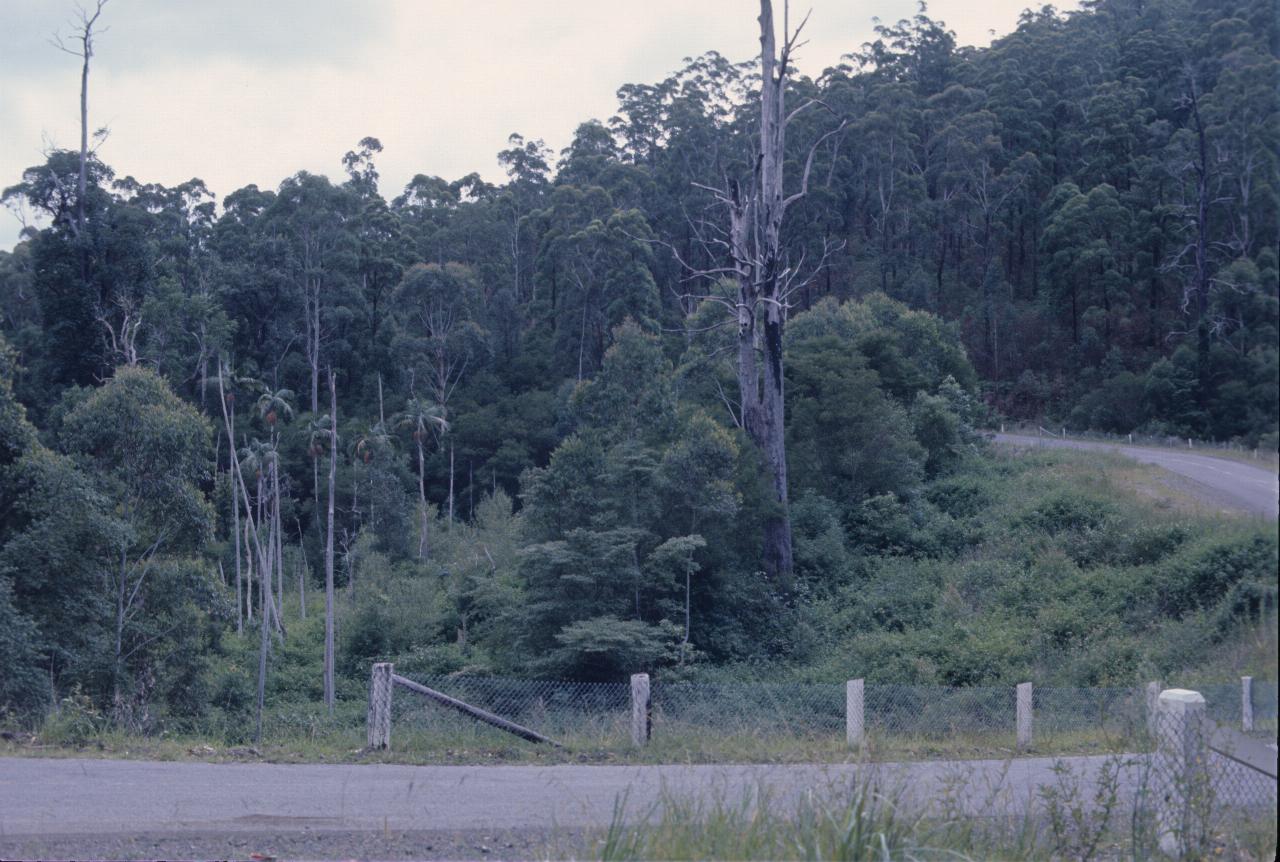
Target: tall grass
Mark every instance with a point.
(1070, 819)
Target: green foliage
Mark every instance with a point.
(24, 688)
(75, 721)
(845, 435)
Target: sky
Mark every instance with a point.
(252, 91)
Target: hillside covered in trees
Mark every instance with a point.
(540, 465)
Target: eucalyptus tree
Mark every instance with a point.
(149, 452)
(440, 334)
(314, 219)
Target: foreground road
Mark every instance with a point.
(1218, 481)
(67, 796)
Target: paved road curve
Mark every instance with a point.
(1221, 481)
(101, 797)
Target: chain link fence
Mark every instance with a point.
(590, 715)
(774, 721)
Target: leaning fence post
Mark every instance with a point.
(1024, 715)
(1181, 773)
(380, 689)
(855, 727)
(641, 709)
(1246, 704)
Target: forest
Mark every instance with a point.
(502, 428)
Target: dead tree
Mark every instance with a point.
(762, 274)
(84, 34)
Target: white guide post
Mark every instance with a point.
(641, 709)
(1181, 772)
(855, 725)
(1024, 715)
(379, 721)
(1246, 704)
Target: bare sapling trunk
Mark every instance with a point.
(235, 519)
(302, 573)
(275, 490)
(263, 645)
(450, 483)
(422, 499)
(328, 547)
(248, 563)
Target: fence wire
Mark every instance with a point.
(712, 721)
(586, 713)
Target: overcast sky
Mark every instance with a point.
(251, 91)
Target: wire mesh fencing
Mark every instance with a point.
(1224, 704)
(584, 714)
(764, 721)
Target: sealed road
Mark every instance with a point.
(1232, 484)
(98, 797)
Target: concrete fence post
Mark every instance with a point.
(641, 709)
(1024, 715)
(1182, 788)
(1246, 704)
(1152, 701)
(855, 724)
(380, 690)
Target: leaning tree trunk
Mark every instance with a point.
(328, 547)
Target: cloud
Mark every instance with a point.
(160, 35)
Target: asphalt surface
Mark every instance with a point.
(67, 796)
(1218, 481)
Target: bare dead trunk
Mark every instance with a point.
(86, 53)
(755, 221)
(451, 483)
